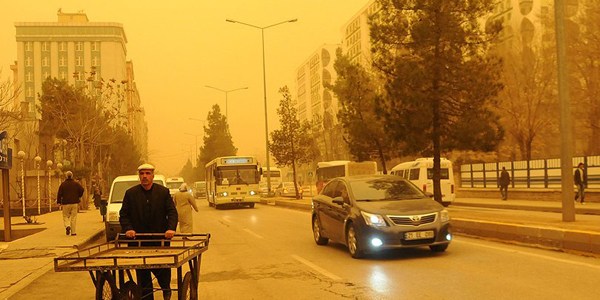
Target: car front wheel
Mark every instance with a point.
(319, 239)
(353, 242)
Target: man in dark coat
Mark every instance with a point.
(68, 196)
(148, 208)
(504, 182)
(579, 179)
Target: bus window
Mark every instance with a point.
(444, 174)
(414, 174)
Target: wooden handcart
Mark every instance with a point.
(110, 264)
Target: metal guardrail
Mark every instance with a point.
(540, 173)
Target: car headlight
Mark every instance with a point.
(373, 219)
(224, 194)
(252, 193)
(444, 216)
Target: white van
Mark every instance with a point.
(173, 183)
(420, 172)
(115, 200)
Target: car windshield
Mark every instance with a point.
(385, 189)
(174, 185)
(119, 188)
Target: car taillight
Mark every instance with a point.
(452, 189)
(424, 188)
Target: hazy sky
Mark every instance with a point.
(178, 47)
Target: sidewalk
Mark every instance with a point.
(25, 259)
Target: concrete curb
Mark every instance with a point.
(578, 209)
(587, 242)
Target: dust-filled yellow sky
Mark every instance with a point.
(178, 47)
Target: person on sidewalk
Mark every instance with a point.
(148, 208)
(504, 182)
(185, 202)
(68, 197)
(579, 179)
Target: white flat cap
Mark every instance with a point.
(146, 167)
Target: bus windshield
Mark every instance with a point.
(237, 175)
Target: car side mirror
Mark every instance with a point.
(429, 194)
(338, 200)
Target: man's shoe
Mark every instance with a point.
(68, 230)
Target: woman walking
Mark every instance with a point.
(185, 202)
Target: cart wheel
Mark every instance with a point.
(189, 289)
(131, 291)
(106, 287)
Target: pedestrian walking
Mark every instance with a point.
(579, 179)
(97, 195)
(184, 202)
(148, 208)
(504, 181)
(68, 197)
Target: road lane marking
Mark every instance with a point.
(226, 219)
(317, 268)
(253, 233)
(534, 255)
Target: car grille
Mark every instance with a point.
(414, 220)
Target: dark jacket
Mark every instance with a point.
(69, 192)
(578, 177)
(156, 215)
(504, 178)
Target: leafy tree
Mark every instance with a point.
(439, 79)
(123, 157)
(188, 172)
(356, 90)
(291, 144)
(217, 138)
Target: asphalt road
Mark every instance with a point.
(268, 253)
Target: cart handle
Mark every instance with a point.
(157, 235)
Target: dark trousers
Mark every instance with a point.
(504, 191)
(163, 276)
(580, 192)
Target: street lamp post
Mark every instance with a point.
(262, 31)
(195, 149)
(21, 156)
(49, 164)
(37, 160)
(226, 92)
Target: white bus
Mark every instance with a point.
(420, 172)
(232, 180)
(327, 170)
(275, 174)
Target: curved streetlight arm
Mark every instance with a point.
(261, 28)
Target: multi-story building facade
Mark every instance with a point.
(316, 103)
(82, 53)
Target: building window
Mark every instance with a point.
(45, 61)
(28, 62)
(79, 46)
(95, 61)
(29, 77)
(45, 46)
(46, 75)
(62, 46)
(95, 46)
(62, 61)
(29, 92)
(28, 46)
(79, 61)
(63, 75)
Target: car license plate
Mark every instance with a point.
(418, 235)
